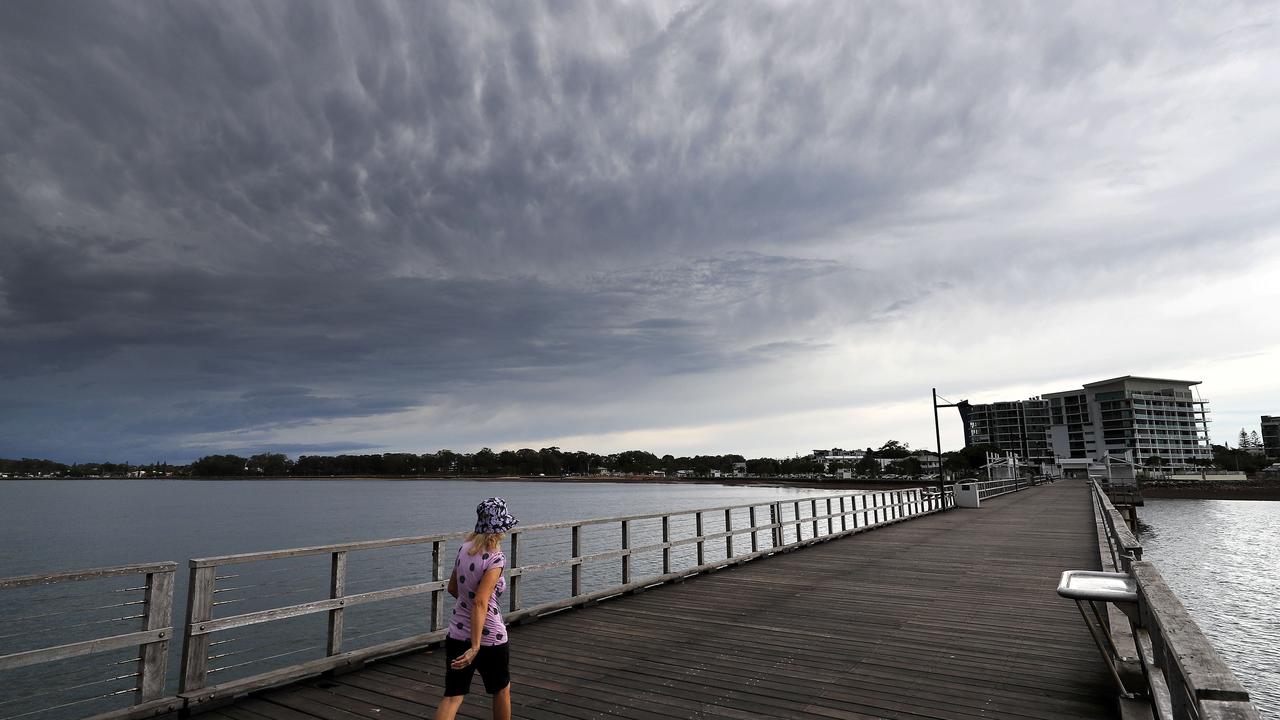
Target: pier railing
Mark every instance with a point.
(988, 489)
(650, 549)
(1184, 676)
(74, 676)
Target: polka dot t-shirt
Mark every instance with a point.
(469, 569)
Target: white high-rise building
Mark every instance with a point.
(1137, 417)
(1130, 417)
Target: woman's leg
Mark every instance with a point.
(502, 704)
(449, 705)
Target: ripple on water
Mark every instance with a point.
(1222, 557)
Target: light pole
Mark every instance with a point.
(937, 433)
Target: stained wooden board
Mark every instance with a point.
(953, 615)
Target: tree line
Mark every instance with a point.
(553, 461)
(550, 461)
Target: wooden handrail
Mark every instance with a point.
(259, 556)
(1187, 679)
(786, 530)
(90, 574)
(1125, 545)
(151, 640)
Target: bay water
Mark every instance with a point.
(1222, 558)
(49, 526)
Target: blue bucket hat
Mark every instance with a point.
(492, 516)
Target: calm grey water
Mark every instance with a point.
(1222, 558)
(48, 526)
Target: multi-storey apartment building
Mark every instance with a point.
(1020, 426)
(1271, 436)
(1137, 417)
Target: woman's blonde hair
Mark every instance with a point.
(485, 542)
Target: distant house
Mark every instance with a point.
(739, 469)
(659, 473)
(835, 456)
(716, 473)
(928, 461)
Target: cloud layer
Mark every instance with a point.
(714, 227)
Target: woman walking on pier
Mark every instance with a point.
(477, 638)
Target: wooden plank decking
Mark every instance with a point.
(949, 616)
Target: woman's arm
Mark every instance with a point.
(453, 582)
(479, 611)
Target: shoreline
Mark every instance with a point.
(577, 479)
(1196, 491)
(1269, 492)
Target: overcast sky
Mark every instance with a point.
(724, 227)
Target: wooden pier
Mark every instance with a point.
(880, 605)
(949, 616)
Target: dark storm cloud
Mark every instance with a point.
(464, 138)
(220, 219)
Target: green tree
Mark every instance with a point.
(270, 464)
(867, 466)
(219, 466)
(910, 466)
(485, 461)
(893, 449)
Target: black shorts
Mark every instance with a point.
(492, 661)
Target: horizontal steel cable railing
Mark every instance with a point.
(626, 554)
(70, 674)
(238, 605)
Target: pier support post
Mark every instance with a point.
(626, 556)
(158, 613)
(576, 572)
(195, 648)
(437, 596)
(728, 538)
(698, 532)
(513, 564)
(337, 588)
(666, 544)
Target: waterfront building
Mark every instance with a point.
(833, 458)
(1130, 417)
(929, 461)
(1271, 435)
(1019, 426)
